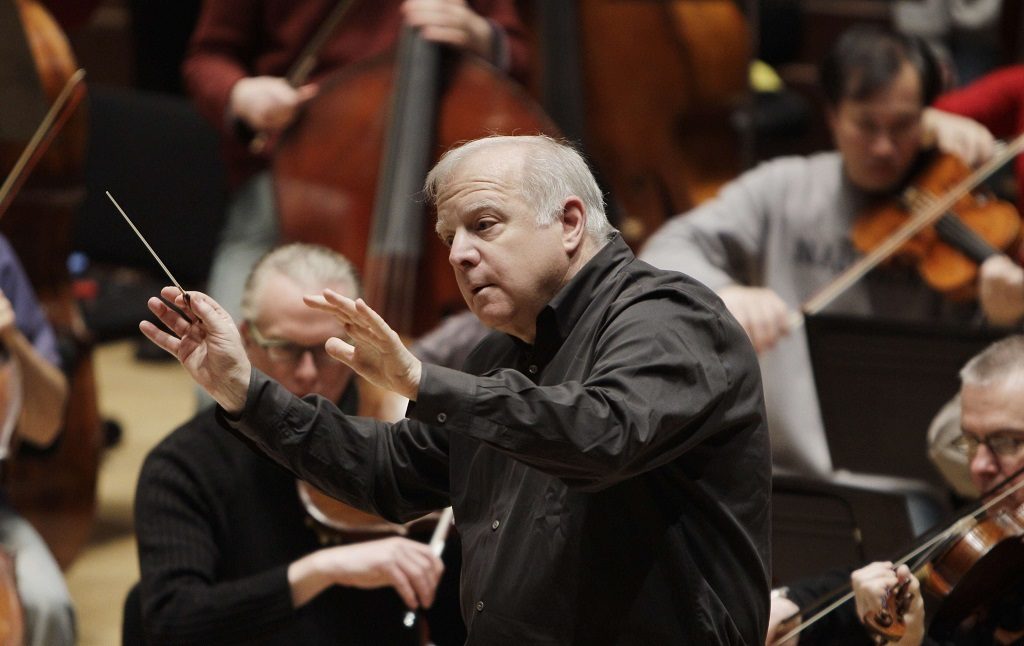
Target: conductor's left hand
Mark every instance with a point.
(210, 349)
(373, 349)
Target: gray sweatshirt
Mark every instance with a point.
(784, 225)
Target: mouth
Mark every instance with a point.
(476, 290)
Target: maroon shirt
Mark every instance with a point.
(997, 101)
(235, 39)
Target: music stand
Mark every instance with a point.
(880, 383)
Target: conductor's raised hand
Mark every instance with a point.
(373, 349)
(209, 348)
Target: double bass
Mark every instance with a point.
(349, 171)
(55, 488)
(650, 87)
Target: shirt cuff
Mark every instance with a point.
(443, 398)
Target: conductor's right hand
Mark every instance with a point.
(760, 311)
(210, 348)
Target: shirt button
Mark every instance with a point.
(441, 418)
(495, 524)
(533, 369)
(479, 606)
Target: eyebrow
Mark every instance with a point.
(473, 209)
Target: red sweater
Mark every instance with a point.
(234, 39)
(997, 101)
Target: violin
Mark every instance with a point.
(933, 207)
(965, 567)
(948, 253)
(974, 568)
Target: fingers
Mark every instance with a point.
(450, 22)
(760, 311)
(162, 339)
(265, 102)
(1001, 291)
(405, 565)
(961, 136)
(871, 585)
(423, 571)
(171, 318)
(362, 322)
(343, 352)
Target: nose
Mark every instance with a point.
(984, 465)
(463, 253)
(883, 143)
(306, 370)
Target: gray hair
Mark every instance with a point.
(551, 172)
(999, 362)
(311, 266)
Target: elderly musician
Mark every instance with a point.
(604, 451)
(992, 439)
(225, 549)
(779, 233)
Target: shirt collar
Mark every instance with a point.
(562, 312)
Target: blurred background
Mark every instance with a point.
(669, 99)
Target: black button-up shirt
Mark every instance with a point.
(610, 482)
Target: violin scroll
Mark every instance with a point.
(887, 624)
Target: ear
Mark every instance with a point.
(243, 330)
(574, 224)
(832, 119)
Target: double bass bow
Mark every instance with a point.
(304, 65)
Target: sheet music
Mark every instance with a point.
(22, 102)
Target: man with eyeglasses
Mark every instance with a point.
(992, 440)
(225, 550)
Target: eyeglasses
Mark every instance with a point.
(1004, 445)
(287, 352)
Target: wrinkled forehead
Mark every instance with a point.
(487, 179)
(280, 296)
(500, 164)
(992, 406)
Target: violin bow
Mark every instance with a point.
(306, 62)
(58, 114)
(437, 540)
(908, 230)
(959, 526)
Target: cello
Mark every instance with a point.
(55, 488)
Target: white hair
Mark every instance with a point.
(551, 171)
(308, 265)
(998, 363)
